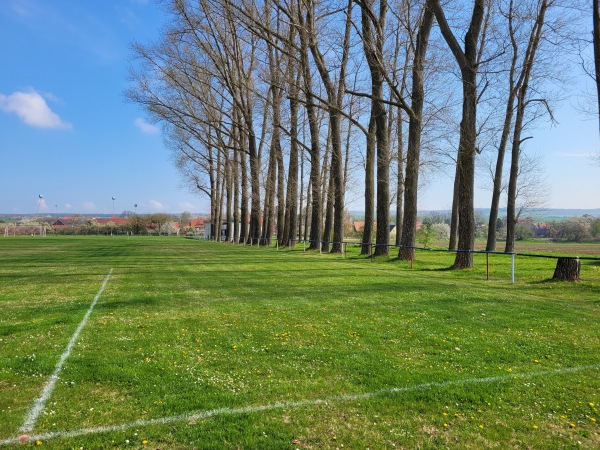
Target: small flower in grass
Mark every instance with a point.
(144, 442)
(38, 442)
(536, 361)
(481, 427)
(593, 419)
(591, 404)
(535, 427)
(234, 347)
(572, 425)
(446, 425)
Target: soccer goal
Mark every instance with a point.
(25, 230)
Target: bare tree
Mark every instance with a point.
(596, 45)
(523, 102)
(468, 63)
(523, 23)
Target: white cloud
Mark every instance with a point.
(89, 206)
(32, 109)
(146, 127)
(158, 206)
(68, 206)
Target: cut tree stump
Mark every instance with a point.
(567, 269)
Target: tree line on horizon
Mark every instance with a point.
(275, 109)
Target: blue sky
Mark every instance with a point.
(67, 133)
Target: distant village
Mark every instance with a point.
(160, 224)
(430, 226)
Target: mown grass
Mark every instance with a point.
(186, 327)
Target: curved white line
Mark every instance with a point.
(286, 405)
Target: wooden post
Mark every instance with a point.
(567, 269)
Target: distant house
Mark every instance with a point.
(198, 226)
(58, 224)
(358, 226)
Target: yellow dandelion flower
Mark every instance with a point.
(535, 427)
(38, 442)
(144, 442)
(593, 419)
(572, 425)
(444, 414)
(481, 426)
(446, 425)
(591, 404)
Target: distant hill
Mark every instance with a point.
(539, 214)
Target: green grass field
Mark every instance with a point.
(204, 345)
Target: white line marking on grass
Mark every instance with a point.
(40, 403)
(200, 415)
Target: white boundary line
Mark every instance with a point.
(40, 403)
(200, 415)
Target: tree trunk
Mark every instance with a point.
(411, 181)
(291, 210)
(269, 206)
(453, 243)
(567, 269)
(369, 187)
(328, 216)
(244, 205)
(467, 61)
(229, 193)
(315, 149)
(255, 224)
(511, 207)
(400, 181)
(236, 197)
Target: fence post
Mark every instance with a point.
(513, 269)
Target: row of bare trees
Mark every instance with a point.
(276, 109)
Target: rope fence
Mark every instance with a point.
(372, 246)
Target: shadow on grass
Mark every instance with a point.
(138, 301)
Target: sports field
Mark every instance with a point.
(176, 343)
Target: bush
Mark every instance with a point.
(523, 231)
(595, 229)
(441, 230)
(576, 229)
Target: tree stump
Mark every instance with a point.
(567, 269)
